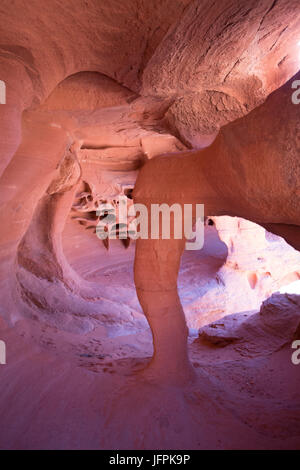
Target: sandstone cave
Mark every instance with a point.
(125, 342)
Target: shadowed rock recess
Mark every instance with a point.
(125, 343)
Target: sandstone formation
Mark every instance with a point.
(161, 102)
(212, 176)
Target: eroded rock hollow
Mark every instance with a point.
(111, 109)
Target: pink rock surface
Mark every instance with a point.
(172, 101)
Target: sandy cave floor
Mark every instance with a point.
(65, 391)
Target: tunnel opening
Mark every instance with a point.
(164, 102)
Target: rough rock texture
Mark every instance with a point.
(275, 326)
(245, 396)
(257, 42)
(104, 96)
(249, 171)
(215, 61)
(241, 266)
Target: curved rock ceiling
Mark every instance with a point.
(161, 101)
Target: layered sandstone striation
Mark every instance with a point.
(168, 101)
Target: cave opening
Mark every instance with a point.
(124, 343)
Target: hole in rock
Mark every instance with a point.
(213, 282)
